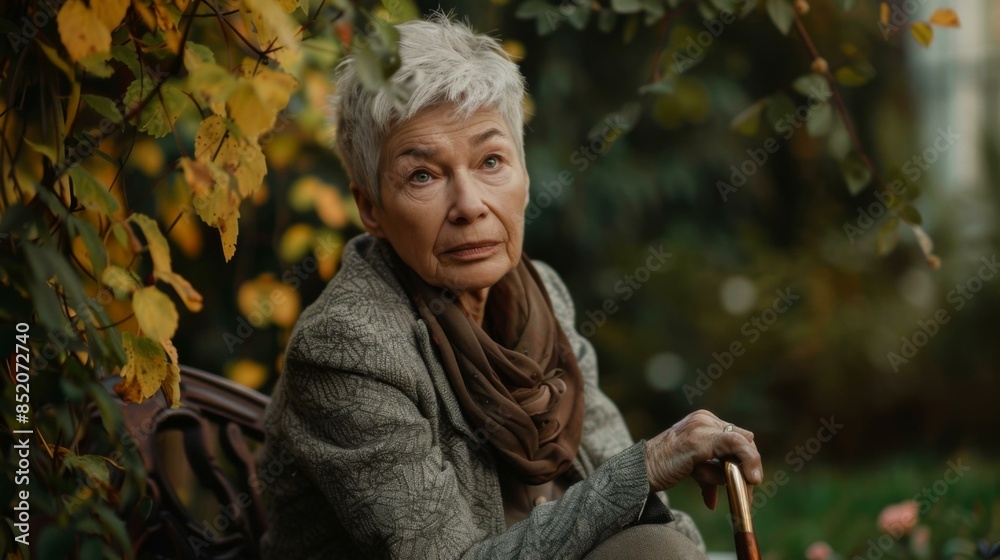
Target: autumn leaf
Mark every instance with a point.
(146, 370)
(243, 159)
(191, 298)
(214, 200)
(922, 32)
(159, 251)
(82, 31)
(162, 268)
(265, 300)
(110, 12)
(884, 13)
(945, 17)
(276, 31)
(156, 313)
(121, 281)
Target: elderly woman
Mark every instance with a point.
(437, 400)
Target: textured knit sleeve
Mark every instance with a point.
(605, 429)
(373, 456)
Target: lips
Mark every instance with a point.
(469, 246)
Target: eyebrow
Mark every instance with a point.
(425, 152)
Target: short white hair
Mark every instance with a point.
(441, 62)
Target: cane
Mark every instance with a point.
(739, 507)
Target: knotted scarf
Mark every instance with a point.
(522, 385)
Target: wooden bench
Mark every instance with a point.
(200, 461)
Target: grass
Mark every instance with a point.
(840, 505)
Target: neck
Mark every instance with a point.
(474, 302)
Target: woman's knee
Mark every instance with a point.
(642, 542)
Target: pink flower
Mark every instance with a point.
(898, 519)
(819, 550)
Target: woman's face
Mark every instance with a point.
(453, 197)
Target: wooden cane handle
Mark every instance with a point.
(739, 506)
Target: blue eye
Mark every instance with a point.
(420, 176)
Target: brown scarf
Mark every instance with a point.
(522, 385)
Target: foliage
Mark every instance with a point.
(88, 90)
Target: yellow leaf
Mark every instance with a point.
(302, 195)
(240, 158)
(157, 244)
(191, 298)
(296, 242)
(923, 33)
(121, 281)
(247, 373)
(884, 13)
(110, 12)
(82, 31)
(229, 229)
(215, 201)
(274, 87)
(172, 386)
(264, 300)
(170, 349)
(330, 207)
(145, 368)
(166, 19)
(945, 17)
(276, 31)
(156, 313)
(147, 156)
(249, 112)
(213, 84)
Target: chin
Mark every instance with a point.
(480, 274)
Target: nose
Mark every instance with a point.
(467, 203)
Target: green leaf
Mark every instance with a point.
(120, 234)
(626, 6)
(819, 120)
(91, 193)
(855, 172)
(747, 122)
(813, 85)
(97, 65)
(104, 107)
(127, 56)
(92, 241)
(579, 14)
(910, 215)
(855, 74)
(781, 13)
(121, 281)
(401, 10)
(161, 112)
(532, 9)
(663, 86)
(42, 147)
(93, 466)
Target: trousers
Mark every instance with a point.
(654, 541)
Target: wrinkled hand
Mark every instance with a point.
(691, 447)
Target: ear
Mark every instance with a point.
(367, 210)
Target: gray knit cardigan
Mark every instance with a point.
(375, 460)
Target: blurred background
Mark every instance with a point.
(792, 303)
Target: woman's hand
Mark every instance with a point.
(688, 448)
